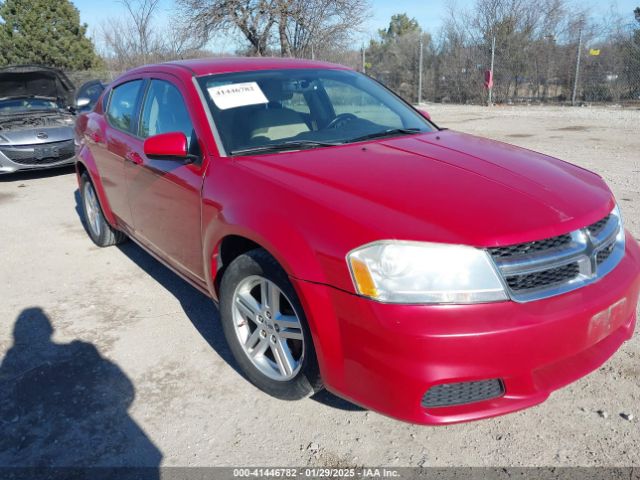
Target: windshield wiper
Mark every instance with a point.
(281, 147)
(385, 133)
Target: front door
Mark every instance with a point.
(164, 195)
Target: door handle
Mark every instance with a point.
(133, 157)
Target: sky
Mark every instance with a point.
(428, 13)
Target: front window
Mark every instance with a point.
(267, 111)
(27, 104)
(164, 111)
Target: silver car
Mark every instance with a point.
(36, 118)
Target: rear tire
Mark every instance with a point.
(266, 328)
(96, 225)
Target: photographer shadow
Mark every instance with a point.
(64, 406)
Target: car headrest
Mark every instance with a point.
(274, 90)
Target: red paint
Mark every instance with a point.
(167, 145)
(488, 79)
(424, 113)
(310, 208)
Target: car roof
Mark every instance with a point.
(208, 66)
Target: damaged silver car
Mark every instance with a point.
(36, 118)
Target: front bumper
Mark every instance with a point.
(385, 357)
(9, 166)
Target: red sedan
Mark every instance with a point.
(430, 275)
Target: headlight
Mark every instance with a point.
(416, 272)
(620, 238)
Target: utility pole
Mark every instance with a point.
(575, 83)
(493, 56)
(364, 60)
(420, 58)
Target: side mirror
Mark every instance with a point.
(82, 102)
(167, 146)
(424, 113)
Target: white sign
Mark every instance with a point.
(237, 95)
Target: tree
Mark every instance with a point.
(135, 39)
(536, 45)
(302, 25)
(395, 55)
(253, 18)
(631, 52)
(399, 25)
(45, 32)
(310, 27)
(141, 13)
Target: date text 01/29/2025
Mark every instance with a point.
(316, 473)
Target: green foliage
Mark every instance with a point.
(393, 58)
(399, 26)
(46, 32)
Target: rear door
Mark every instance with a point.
(110, 145)
(164, 195)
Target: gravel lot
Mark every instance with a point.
(137, 371)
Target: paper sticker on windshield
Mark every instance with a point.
(237, 95)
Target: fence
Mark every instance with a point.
(540, 72)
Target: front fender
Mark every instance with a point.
(274, 230)
(266, 227)
(308, 235)
(309, 241)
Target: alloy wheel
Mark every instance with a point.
(92, 209)
(268, 328)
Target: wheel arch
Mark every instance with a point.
(289, 248)
(227, 250)
(85, 163)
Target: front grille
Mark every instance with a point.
(450, 394)
(605, 253)
(530, 247)
(544, 278)
(596, 228)
(39, 154)
(548, 267)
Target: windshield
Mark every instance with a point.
(27, 104)
(263, 111)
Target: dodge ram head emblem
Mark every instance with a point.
(42, 135)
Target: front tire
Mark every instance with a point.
(99, 230)
(266, 328)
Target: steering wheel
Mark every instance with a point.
(341, 120)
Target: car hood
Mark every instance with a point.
(444, 187)
(33, 136)
(35, 80)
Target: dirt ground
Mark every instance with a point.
(137, 372)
